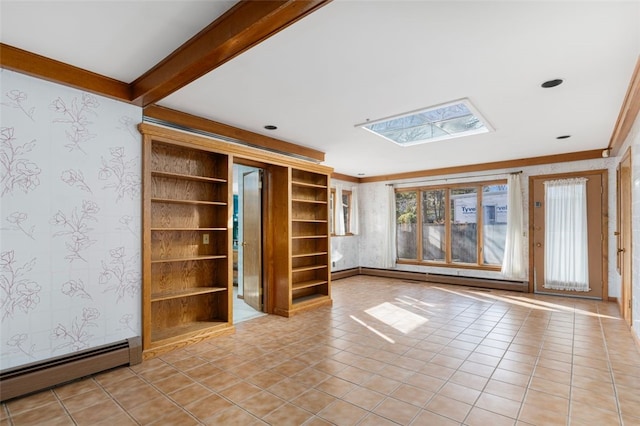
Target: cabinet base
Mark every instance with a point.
(305, 305)
(160, 348)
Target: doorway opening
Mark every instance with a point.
(248, 283)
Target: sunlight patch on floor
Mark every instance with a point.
(396, 317)
(368, 327)
(564, 308)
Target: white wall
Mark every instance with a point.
(70, 220)
(345, 249)
(373, 202)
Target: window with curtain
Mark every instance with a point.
(513, 262)
(341, 212)
(566, 261)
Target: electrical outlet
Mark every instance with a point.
(205, 238)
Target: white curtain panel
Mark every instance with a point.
(389, 246)
(513, 263)
(353, 219)
(566, 264)
(339, 217)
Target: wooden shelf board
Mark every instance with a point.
(309, 220)
(307, 184)
(299, 200)
(187, 177)
(306, 284)
(319, 253)
(173, 201)
(308, 268)
(188, 229)
(176, 294)
(184, 330)
(188, 258)
(309, 298)
(304, 237)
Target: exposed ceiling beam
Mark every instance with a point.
(24, 62)
(192, 122)
(243, 26)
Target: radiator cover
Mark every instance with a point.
(37, 376)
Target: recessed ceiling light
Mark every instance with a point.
(360, 174)
(270, 127)
(563, 137)
(552, 83)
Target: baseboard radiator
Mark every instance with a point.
(37, 376)
(490, 283)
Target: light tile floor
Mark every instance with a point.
(388, 352)
(241, 310)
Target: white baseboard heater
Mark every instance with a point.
(490, 283)
(37, 376)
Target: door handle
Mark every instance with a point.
(538, 245)
(621, 250)
(243, 244)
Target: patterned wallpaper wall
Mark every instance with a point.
(70, 220)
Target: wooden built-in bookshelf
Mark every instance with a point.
(186, 250)
(308, 283)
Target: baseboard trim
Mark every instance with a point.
(346, 273)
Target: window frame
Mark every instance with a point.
(333, 211)
(448, 263)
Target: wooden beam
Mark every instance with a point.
(243, 26)
(24, 62)
(533, 161)
(346, 178)
(628, 112)
(193, 122)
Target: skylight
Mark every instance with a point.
(446, 121)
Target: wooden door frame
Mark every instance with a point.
(626, 293)
(604, 174)
(266, 217)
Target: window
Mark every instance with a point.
(406, 220)
(454, 230)
(445, 121)
(345, 220)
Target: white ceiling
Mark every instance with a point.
(356, 60)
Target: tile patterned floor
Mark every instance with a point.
(388, 352)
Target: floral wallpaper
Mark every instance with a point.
(70, 266)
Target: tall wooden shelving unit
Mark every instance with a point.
(187, 245)
(308, 283)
